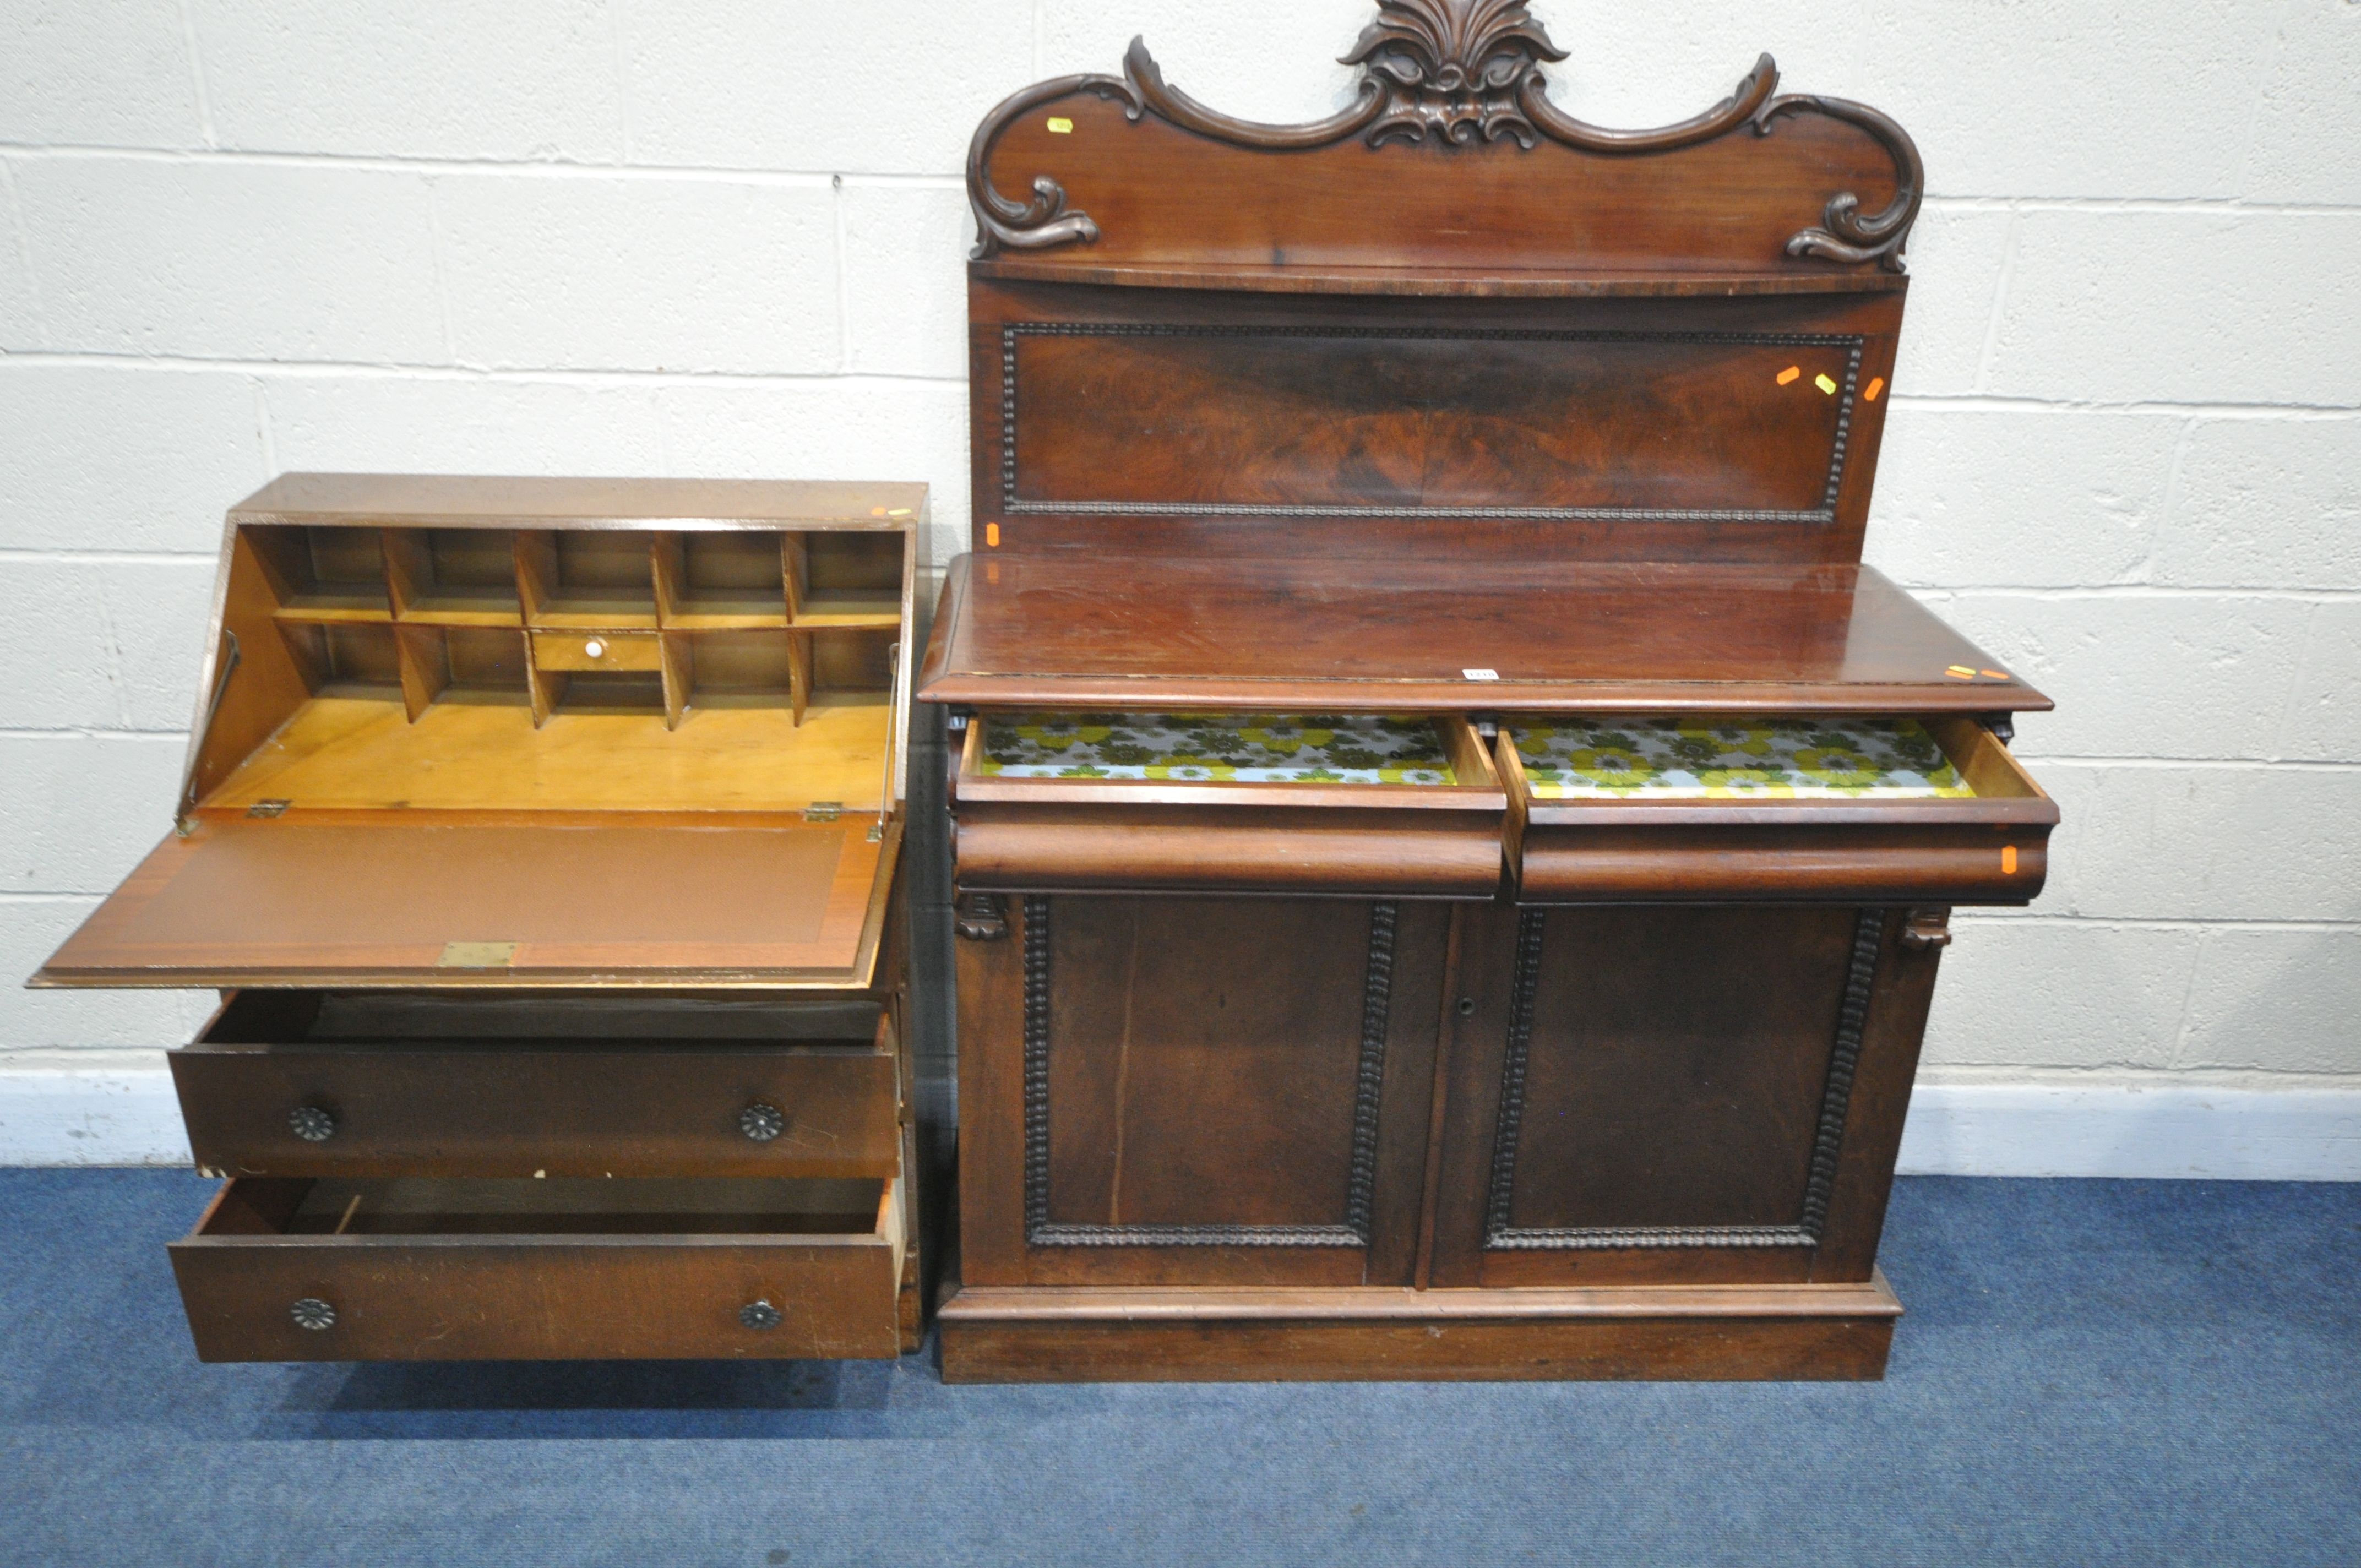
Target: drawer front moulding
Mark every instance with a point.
(1040, 1231)
(1869, 934)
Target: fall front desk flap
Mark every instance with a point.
(1684, 757)
(499, 733)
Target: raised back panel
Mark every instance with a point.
(1384, 421)
(1447, 315)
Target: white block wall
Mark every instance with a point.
(723, 238)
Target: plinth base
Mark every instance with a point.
(1098, 1334)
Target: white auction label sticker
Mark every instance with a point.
(1481, 674)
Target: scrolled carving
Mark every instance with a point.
(1044, 220)
(1843, 233)
(1453, 73)
(1169, 103)
(1752, 91)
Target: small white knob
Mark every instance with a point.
(595, 649)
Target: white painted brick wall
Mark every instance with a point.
(723, 236)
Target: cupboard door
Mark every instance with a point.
(1197, 1091)
(1706, 1094)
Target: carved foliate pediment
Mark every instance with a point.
(1453, 70)
(1463, 78)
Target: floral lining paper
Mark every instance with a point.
(1216, 747)
(1735, 756)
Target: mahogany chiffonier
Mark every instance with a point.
(542, 836)
(1452, 846)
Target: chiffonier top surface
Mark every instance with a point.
(1063, 630)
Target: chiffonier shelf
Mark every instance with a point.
(542, 837)
(1452, 845)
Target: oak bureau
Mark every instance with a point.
(1452, 845)
(542, 837)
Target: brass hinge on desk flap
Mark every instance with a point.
(823, 811)
(476, 955)
(268, 809)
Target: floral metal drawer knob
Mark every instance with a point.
(310, 1312)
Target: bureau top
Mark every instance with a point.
(463, 501)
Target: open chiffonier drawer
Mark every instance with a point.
(1377, 804)
(1698, 806)
(542, 837)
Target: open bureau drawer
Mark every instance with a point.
(424, 1268)
(307, 1084)
(1819, 808)
(1348, 803)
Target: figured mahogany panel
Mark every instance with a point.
(1195, 422)
(1672, 1075)
(1374, 420)
(1194, 1084)
(1171, 1091)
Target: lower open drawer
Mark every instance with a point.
(1684, 808)
(427, 1269)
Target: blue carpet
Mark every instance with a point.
(2092, 1372)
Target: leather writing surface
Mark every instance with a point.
(290, 898)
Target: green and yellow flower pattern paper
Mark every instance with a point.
(1216, 747)
(1737, 757)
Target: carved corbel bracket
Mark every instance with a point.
(980, 916)
(1453, 73)
(1927, 929)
